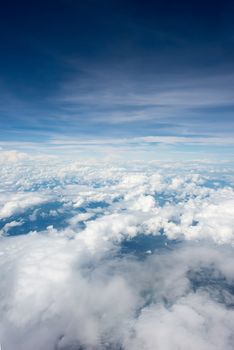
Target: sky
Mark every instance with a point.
(116, 175)
(123, 79)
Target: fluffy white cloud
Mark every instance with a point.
(73, 287)
(202, 218)
(9, 225)
(55, 292)
(194, 322)
(11, 204)
(13, 156)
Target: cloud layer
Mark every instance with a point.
(71, 285)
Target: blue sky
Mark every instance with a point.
(118, 77)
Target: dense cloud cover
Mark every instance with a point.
(100, 256)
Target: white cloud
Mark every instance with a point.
(71, 287)
(55, 292)
(13, 156)
(9, 225)
(18, 203)
(79, 218)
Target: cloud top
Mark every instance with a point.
(82, 282)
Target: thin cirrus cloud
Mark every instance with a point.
(184, 102)
(136, 71)
(190, 112)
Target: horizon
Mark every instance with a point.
(117, 175)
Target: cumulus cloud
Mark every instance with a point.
(57, 294)
(73, 287)
(9, 225)
(18, 203)
(13, 156)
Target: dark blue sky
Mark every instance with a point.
(122, 72)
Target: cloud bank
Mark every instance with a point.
(74, 277)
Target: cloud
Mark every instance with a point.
(74, 286)
(11, 204)
(66, 142)
(62, 296)
(9, 225)
(12, 156)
